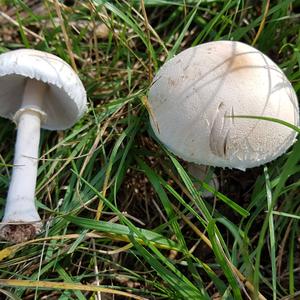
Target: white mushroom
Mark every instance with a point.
(195, 94)
(37, 90)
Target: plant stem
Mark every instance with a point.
(200, 172)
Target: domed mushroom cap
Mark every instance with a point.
(65, 98)
(194, 94)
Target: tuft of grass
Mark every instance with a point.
(122, 216)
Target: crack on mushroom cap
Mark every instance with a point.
(220, 130)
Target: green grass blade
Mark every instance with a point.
(270, 119)
(272, 233)
(223, 260)
(123, 230)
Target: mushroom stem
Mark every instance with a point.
(21, 220)
(200, 172)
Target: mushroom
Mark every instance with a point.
(37, 90)
(196, 94)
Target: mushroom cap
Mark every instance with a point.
(65, 98)
(194, 95)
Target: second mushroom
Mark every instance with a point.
(196, 94)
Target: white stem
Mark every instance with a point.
(200, 172)
(20, 207)
(20, 198)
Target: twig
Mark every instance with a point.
(12, 21)
(66, 38)
(262, 24)
(149, 39)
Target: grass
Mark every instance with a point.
(122, 216)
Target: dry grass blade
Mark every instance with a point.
(262, 24)
(65, 286)
(65, 34)
(15, 23)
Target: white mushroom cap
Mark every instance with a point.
(65, 98)
(194, 91)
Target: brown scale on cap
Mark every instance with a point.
(243, 63)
